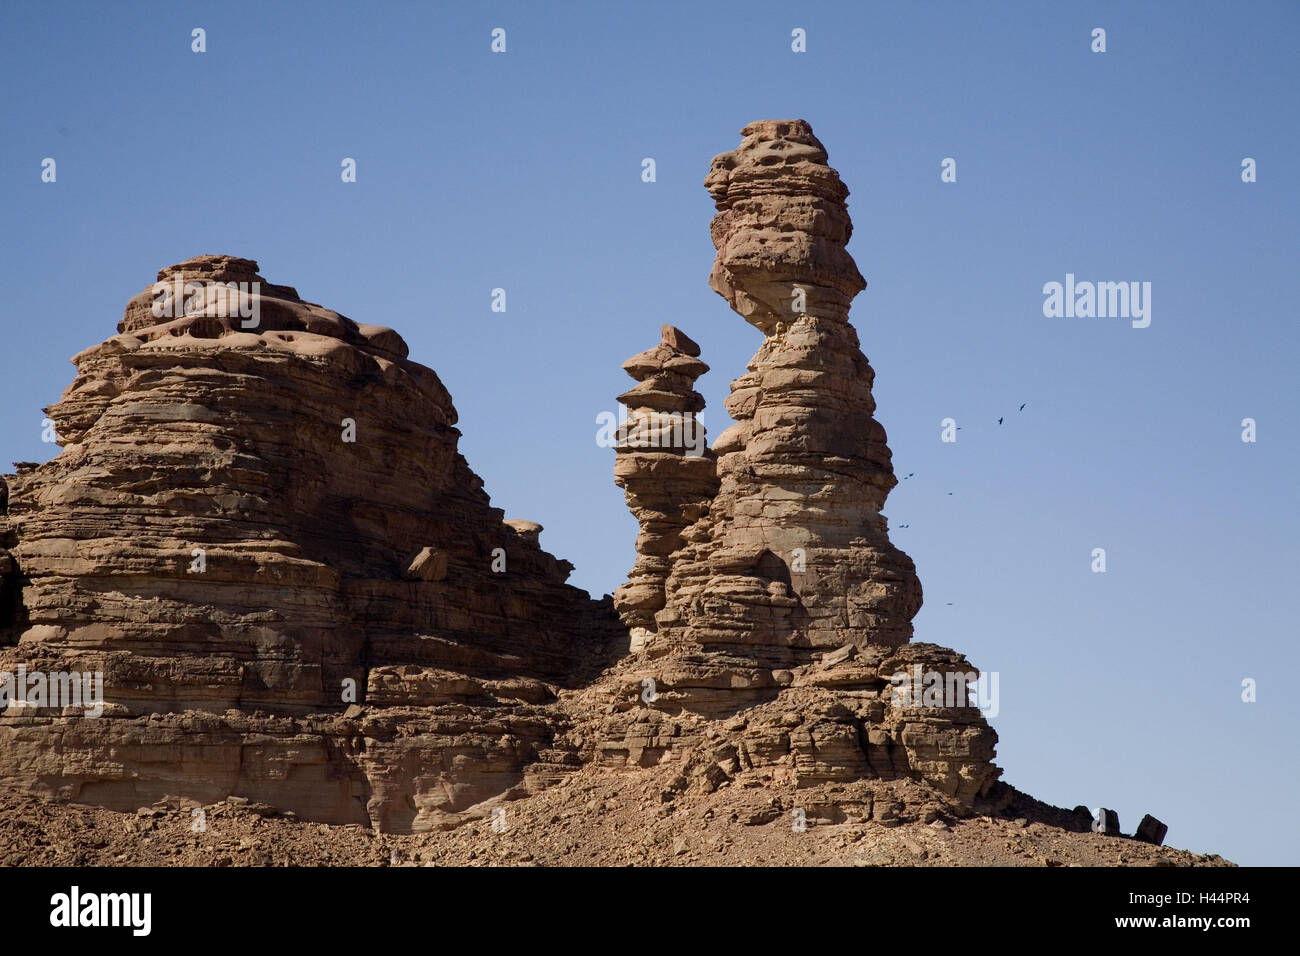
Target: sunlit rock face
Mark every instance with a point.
(785, 587)
(260, 507)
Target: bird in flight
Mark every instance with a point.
(1022, 407)
(999, 421)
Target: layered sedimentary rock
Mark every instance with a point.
(665, 467)
(787, 588)
(261, 533)
(260, 507)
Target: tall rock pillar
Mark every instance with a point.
(783, 609)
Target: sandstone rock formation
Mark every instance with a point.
(665, 466)
(270, 516)
(786, 582)
(260, 530)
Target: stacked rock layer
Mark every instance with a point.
(261, 533)
(788, 581)
(665, 467)
(260, 507)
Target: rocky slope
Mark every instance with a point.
(588, 820)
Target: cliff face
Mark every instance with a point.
(260, 531)
(270, 515)
(311, 461)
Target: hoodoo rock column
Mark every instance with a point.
(787, 586)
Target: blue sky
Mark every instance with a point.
(522, 171)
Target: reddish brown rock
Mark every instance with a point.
(271, 515)
(665, 467)
(788, 575)
(261, 532)
(782, 223)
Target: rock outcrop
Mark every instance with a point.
(665, 467)
(786, 590)
(261, 534)
(260, 508)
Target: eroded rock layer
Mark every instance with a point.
(260, 532)
(260, 508)
(786, 590)
(664, 465)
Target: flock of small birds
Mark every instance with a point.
(1022, 408)
(912, 474)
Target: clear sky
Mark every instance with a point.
(522, 170)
